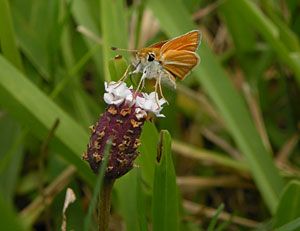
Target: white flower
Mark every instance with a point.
(117, 93)
(151, 103)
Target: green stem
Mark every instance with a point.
(104, 204)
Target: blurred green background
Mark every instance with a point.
(234, 121)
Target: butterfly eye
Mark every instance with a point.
(151, 57)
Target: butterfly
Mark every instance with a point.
(171, 59)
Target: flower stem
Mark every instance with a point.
(104, 204)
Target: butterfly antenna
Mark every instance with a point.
(122, 49)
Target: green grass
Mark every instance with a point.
(165, 206)
(50, 69)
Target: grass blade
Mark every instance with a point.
(7, 37)
(291, 226)
(289, 205)
(8, 218)
(214, 220)
(148, 151)
(34, 109)
(165, 202)
(11, 156)
(81, 13)
(126, 188)
(114, 29)
(141, 202)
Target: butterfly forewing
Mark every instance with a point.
(158, 44)
(189, 42)
(180, 63)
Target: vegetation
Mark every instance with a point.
(233, 160)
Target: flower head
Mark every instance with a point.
(118, 93)
(121, 123)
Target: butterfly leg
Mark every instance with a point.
(156, 93)
(124, 77)
(160, 88)
(141, 83)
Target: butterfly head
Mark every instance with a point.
(146, 55)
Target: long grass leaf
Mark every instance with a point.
(7, 36)
(230, 104)
(114, 29)
(11, 156)
(34, 109)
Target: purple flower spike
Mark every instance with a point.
(121, 123)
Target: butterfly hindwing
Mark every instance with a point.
(179, 62)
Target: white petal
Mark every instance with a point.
(139, 101)
(148, 105)
(118, 101)
(110, 86)
(108, 98)
(162, 101)
(152, 95)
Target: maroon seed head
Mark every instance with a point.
(120, 125)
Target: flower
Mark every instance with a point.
(151, 103)
(121, 123)
(117, 93)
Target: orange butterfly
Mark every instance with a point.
(170, 59)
